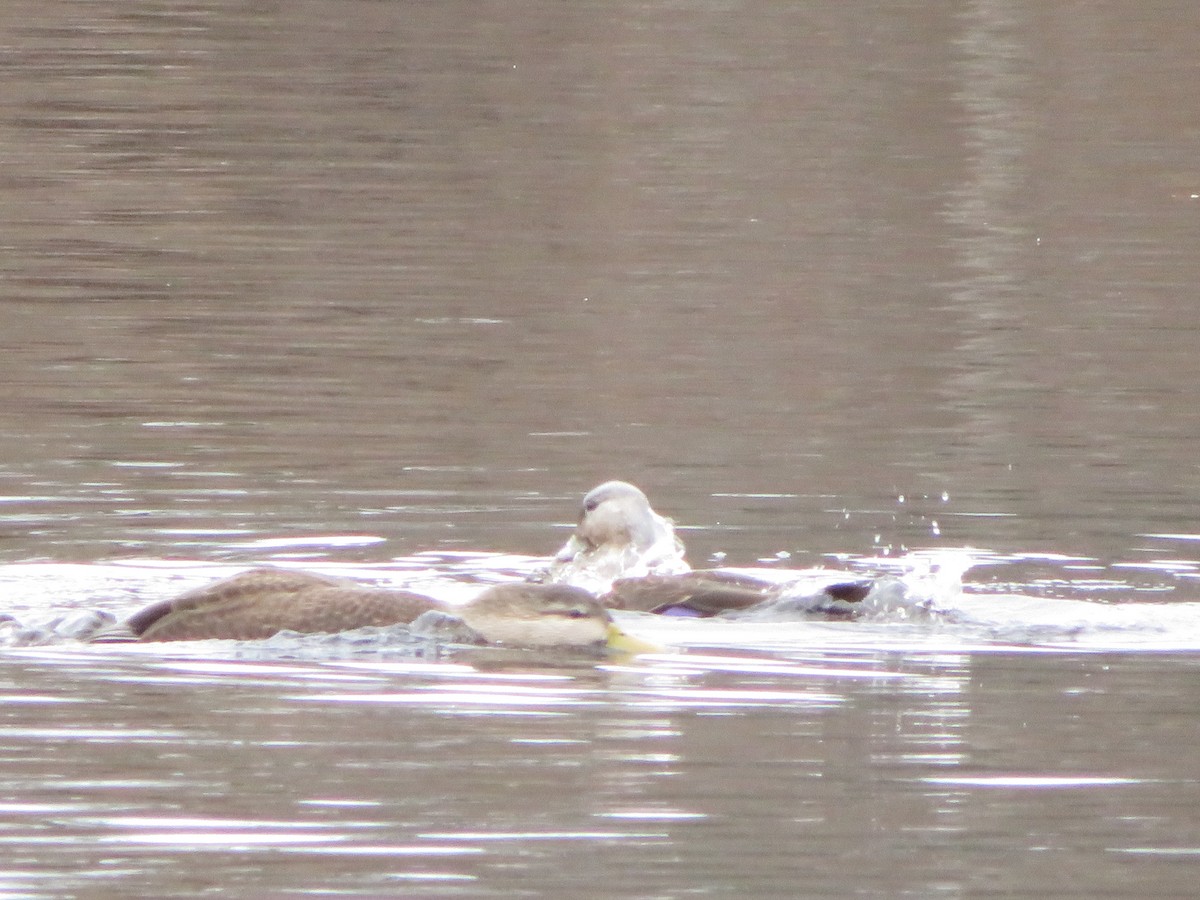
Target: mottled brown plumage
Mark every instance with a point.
(700, 593)
(262, 602)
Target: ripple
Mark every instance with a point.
(1030, 781)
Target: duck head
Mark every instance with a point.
(541, 615)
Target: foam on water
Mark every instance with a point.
(917, 602)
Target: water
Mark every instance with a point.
(877, 772)
(382, 289)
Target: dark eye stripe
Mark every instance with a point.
(568, 613)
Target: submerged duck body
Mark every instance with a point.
(697, 593)
(618, 535)
(706, 593)
(262, 602)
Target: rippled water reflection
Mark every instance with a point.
(910, 772)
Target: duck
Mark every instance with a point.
(618, 534)
(261, 602)
(630, 557)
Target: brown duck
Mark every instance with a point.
(262, 602)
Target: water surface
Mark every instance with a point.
(383, 288)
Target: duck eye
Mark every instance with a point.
(590, 505)
(575, 613)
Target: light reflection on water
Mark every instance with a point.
(448, 773)
(611, 736)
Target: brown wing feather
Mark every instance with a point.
(705, 593)
(702, 593)
(262, 602)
